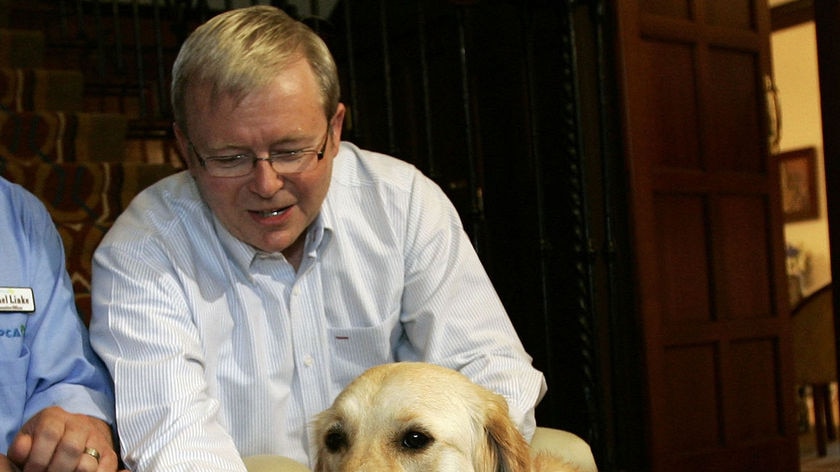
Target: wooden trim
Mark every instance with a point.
(828, 35)
(791, 14)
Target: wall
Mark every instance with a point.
(796, 77)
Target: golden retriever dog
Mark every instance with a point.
(414, 417)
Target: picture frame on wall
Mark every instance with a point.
(798, 180)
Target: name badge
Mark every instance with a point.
(17, 300)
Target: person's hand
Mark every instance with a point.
(63, 442)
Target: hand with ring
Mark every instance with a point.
(93, 453)
(59, 441)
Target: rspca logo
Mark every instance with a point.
(13, 332)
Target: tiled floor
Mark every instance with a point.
(808, 460)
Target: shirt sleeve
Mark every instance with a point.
(149, 342)
(451, 312)
(63, 369)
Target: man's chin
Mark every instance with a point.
(272, 248)
(277, 243)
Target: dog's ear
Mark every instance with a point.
(328, 438)
(326, 447)
(320, 461)
(317, 445)
(512, 453)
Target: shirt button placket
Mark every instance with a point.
(308, 334)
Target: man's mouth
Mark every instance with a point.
(271, 213)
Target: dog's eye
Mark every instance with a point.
(415, 440)
(335, 441)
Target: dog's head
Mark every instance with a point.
(417, 417)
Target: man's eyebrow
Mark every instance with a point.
(299, 141)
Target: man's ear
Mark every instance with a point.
(337, 122)
(184, 147)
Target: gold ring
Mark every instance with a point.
(93, 453)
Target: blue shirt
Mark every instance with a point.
(45, 357)
(220, 351)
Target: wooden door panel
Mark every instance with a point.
(733, 14)
(734, 135)
(746, 458)
(739, 269)
(684, 280)
(692, 383)
(671, 111)
(753, 367)
(707, 226)
(743, 279)
(667, 8)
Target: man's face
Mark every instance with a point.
(267, 210)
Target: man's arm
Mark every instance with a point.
(453, 315)
(63, 369)
(69, 400)
(143, 330)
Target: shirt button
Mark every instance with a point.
(308, 361)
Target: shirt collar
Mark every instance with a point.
(243, 255)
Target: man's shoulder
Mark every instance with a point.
(22, 213)
(157, 211)
(16, 199)
(356, 166)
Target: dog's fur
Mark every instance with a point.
(421, 417)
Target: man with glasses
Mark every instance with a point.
(233, 302)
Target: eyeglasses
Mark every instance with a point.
(240, 165)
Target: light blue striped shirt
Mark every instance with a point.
(219, 351)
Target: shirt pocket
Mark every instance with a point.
(354, 350)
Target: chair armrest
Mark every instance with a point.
(565, 444)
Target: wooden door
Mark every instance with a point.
(707, 235)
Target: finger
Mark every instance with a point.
(88, 462)
(45, 439)
(68, 453)
(6, 465)
(99, 440)
(34, 444)
(19, 449)
(108, 462)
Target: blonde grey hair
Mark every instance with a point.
(243, 49)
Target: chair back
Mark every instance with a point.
(814, 338)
